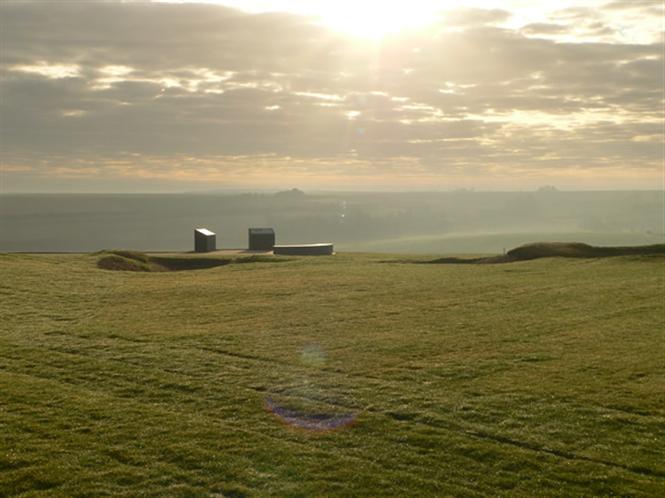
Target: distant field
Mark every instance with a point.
(407, 222)
(495, 243)
(531, 378)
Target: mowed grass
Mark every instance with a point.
(532, 378)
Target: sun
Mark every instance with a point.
(376, 19)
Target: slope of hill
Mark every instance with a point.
(348, 375)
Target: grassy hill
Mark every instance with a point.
(353, 375)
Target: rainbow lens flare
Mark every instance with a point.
(317, 422)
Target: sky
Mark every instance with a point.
(135, 96)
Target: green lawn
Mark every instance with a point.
(534, 378)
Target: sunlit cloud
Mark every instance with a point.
(116, 70)
(73, 113)
(49, 70)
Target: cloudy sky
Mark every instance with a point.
(393, 95)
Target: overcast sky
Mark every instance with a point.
(140, 96)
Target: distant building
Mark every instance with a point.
(261, 239)
(204, 240)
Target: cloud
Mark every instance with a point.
(545, 29)
(634, 4)
(475, 17)
(95, 86)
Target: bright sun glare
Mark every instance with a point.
(367, 18)
(362, 18)
(374, 19)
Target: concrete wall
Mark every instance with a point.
(304, 250)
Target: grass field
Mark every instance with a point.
(531, 378)
(493, 243)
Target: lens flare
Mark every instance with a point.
(313, 356)
(317, 422)
(323, 413)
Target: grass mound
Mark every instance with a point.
(123, 260)
(135, 255)
(557, 250)
(551, 250)
(578, 250)
(116, 262)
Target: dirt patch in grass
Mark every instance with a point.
(556, 249)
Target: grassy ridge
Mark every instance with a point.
(540, 377)
(538, 250)
(578, 250)
(122, 260)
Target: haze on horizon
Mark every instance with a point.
(422, 95)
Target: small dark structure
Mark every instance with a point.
(261, 239)
(305, 250)
(204, 240)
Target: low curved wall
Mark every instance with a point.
(304, 250)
